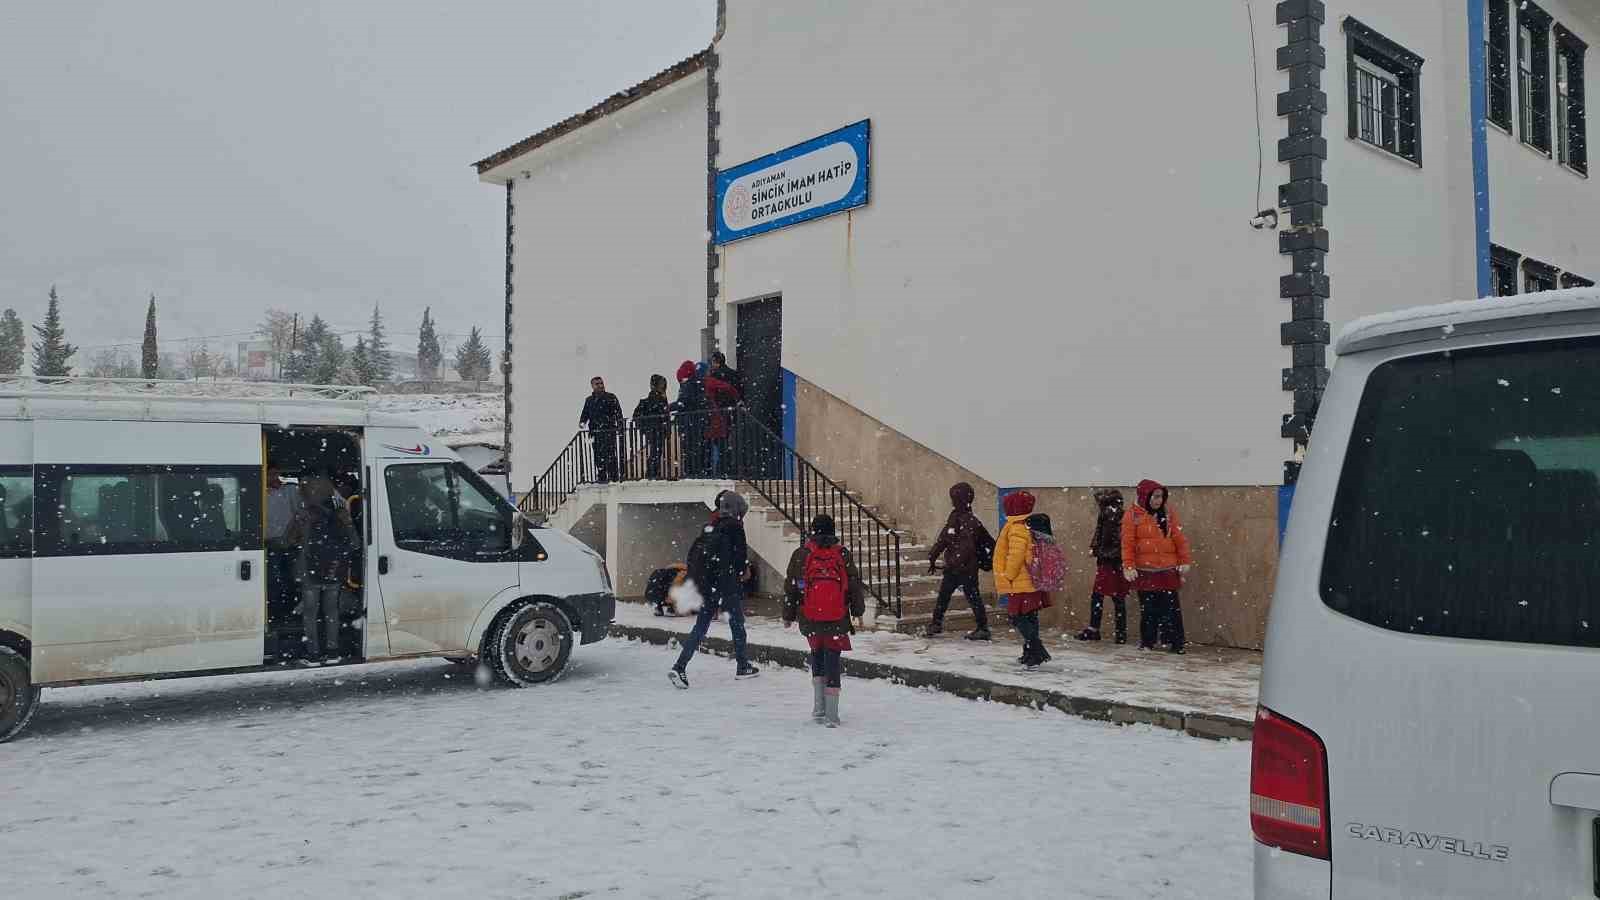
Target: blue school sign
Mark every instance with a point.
(817, 178)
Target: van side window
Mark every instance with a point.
(444, 510)
(111, 510)
(1469, 502)
(16, 512)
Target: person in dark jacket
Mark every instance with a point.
(602, 415)
(962, 542)
(828, 636)
(693, 420)
(322, 530)
(1106, 547)
(725, 373)
(727, 568)
(650, 418)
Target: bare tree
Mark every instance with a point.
(279, 328)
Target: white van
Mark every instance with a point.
(131, 540)
(1430, 699)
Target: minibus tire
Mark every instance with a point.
(530, 624)
(19, 699)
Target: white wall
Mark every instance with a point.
(1401, 235)
(609, 264)
(1054, 282)
(1537, 207)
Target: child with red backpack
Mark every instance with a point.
(824, 592)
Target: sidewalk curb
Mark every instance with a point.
(1201, 725)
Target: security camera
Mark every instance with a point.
(1267, 218)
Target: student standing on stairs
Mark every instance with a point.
(963, 543)
(1108, 581)
(824, 593)
(719, 566)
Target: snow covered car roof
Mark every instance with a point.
(1576, 306)
(154, 400)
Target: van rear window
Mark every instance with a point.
(1469, 503)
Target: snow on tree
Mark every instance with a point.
(330, 360)
(150, 357)
(280, 326)
(198, 361)
(429, 355)
(381, 366)
(52, 355)
(473, 359)
(358, 364)
(13, 343)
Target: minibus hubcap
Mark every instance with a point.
(538, 645)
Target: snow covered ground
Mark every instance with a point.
(449, 415)
(408, 780)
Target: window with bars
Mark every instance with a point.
(1572, 126)
(1503, 267)
(1384, 92)
(1497, 58)
(1537, 276)
(1533, 75)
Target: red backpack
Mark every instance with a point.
(826, 584)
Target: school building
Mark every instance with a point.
(1051, 246)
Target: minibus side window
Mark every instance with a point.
(16, 511)
(1469, 501)
(110, 510)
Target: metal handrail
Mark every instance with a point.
(730, 444)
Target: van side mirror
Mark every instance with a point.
(519, 529)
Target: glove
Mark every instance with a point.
(1130, 574)
(932, 569)
(789, 623)
(1184, 569)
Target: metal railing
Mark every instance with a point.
(727, 444)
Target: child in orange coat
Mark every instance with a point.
(1155, 557)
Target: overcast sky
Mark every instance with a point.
(314, 156)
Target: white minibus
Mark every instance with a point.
(133, 544)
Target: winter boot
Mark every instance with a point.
(819, 710)
(679, 679)
(830, 702)
(1089, 634)
(934, 629)
(747, 671)
(980, 634)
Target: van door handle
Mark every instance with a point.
(244, 570)
(383, 565)
(1576, 790)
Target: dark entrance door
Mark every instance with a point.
(758, 351)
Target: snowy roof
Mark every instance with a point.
(1469, 317)
(29, 397)
(599, 111)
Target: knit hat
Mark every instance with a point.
(822, 525)
(685, 371)
(962, 495)
(1019, 503)
(730, 504)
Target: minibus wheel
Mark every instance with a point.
(531, 645)
(18, 697)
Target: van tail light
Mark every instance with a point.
(1288, 786)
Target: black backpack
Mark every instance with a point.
(328, 548)
(699, 561)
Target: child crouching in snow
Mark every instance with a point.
(824, 593)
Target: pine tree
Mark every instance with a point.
(330, 360)
(358, 365)
(52, 355)
(382, 367)
(473, 359)
(308, 358)
(13, 343)
(429, 356)
(150, 359)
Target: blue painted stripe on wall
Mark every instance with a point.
(791, 419)
(1478, 68)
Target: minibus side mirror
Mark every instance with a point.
(519, 529)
